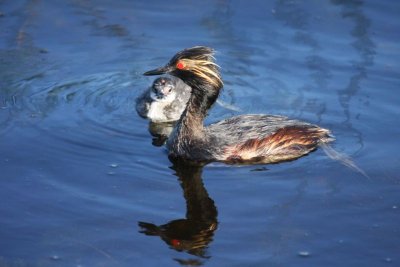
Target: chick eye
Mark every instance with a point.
(180, 65)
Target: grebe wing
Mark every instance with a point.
(251, 126)
(264, 138)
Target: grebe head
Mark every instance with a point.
(195, 66)
(162, 89)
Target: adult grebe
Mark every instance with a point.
(164, 101)
(240, 139)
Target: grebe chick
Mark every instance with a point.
(240, 139)
(164, 101)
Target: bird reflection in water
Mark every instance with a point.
(160, 131)
(195, 232)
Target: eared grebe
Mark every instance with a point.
(240, 139)
(164, 101)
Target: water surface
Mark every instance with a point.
(83, 185)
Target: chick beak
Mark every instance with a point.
(158, 71)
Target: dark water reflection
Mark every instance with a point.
(160, 132)
(195, 232)
(79, 169)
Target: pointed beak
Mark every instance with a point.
(158, 71)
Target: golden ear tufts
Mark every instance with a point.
(206, 69)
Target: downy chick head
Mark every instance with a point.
(163, 89)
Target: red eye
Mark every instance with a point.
(180, 65)
(175, 242)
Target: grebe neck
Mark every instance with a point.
(203, 96)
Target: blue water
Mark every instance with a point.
(79, 173)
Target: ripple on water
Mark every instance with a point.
(89, 120)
